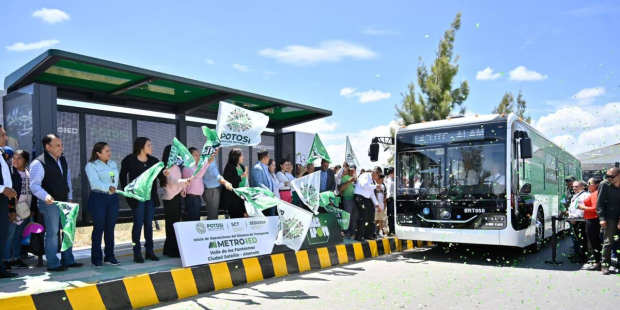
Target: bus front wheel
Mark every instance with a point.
(540, 232)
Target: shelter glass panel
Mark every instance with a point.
(69, 133)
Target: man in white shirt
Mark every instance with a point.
(496, 181)
(580, 242)
(366, 203)
(389, 197)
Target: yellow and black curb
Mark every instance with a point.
(149, 289)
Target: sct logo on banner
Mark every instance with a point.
(310, 192)
(238, 126)
(236, 226)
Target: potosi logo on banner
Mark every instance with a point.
(239, 126)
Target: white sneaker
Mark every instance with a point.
(380, 233)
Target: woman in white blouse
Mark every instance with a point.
(285, 177)
(277, 185)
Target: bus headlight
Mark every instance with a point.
(491, 221)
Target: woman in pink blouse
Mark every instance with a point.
(196, 186)
(173, 185)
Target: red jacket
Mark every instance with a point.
(590, 202)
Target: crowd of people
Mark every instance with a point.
(35, 186)
(593, 209)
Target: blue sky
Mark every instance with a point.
(353, 57)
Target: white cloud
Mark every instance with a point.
(579, 129)
(487, 75)
(373, 95)
(51, 16)
(316, 126)
(521, 73)
(347, 92)
(22, 47)
(365, 96)
(241, 68)
(210, 62)
(329, 51)
(590, 92)
(379, 31)
(583, 98)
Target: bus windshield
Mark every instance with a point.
(458, 164)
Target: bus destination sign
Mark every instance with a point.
(449, 136)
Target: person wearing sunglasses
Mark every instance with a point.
(593, 227)
(608, 211)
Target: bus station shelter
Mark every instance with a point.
(31, 110)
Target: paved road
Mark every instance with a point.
(444, 277)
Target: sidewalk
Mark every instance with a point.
(38, 280)
(132, 285)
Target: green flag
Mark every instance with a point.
(326, 200)
(213, 142)
(256, 199)
(140, 188)
(318, 150)
(68, 218)
(180, 155)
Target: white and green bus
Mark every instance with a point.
(489, 179)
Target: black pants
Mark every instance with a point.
(391, 208)
(579, 231)
(172, 214)
(608, 241)
(365, 217)
(593, 229)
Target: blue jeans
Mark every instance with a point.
(103, 208)
(143, 215)
(192, 207)
(52, 227)
(4, 222)
(13, 247)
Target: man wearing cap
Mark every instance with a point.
(328, 180)
(347, 188)
(7, 193)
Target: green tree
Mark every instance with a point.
(507, 106)
(436, 98)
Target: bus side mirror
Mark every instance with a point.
(373, 152)
(526, 148)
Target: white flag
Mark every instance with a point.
(349, 155)
(239, 126)
(294, 225)
(308, 188)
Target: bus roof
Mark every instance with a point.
(475, 119)
(450, 122)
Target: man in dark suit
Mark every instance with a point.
(328, 179)
(6, 193)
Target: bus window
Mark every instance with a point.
(418, 170)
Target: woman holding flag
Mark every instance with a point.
(174, 187)
(237, 174)
(103, 203)
(133, 165)
(285, 177)
(195, 189)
